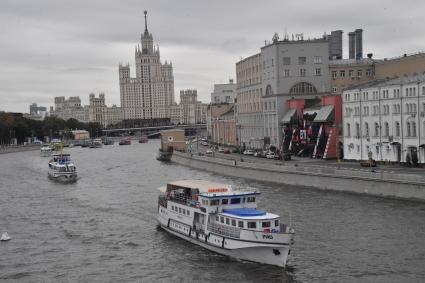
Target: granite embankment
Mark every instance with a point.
(18, 148)
(385, 184)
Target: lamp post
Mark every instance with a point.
(238, 127)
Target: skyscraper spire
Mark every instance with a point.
(146, 22)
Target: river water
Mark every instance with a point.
(103, 228)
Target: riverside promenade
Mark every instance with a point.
(384, 181)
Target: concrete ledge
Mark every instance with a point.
(18, 148)
(377, 184)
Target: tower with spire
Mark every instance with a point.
(151, 93)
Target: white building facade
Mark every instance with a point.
(151, 93)
(385, 120)
(224, 93)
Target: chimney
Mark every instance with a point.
(351, 45)
(359, 43)
(336, 44)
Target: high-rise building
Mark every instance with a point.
(151, 93)
(224, 93)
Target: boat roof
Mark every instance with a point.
(202, 185)
(61, 154)
(249, 213)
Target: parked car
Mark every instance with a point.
(271, 155)
(204, 143)
(209, 152)
(226, 151)
(248, 152)
(220, 149)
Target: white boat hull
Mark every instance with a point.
(273, 254)
(63, 178)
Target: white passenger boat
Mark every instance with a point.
(224, 220)
(46, 150)
(62, 168)
(96, 143)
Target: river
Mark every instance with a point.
(103, 228)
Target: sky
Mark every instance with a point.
(68, 48)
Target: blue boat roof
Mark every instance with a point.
(244, 212)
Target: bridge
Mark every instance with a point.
(153, 131)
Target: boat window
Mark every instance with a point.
(276, 223)
(215, 202)
(252, 225)
(184, 211)
(172, 207)
(225, 201)
(227, 221)
(235, 200)
(251, 199)
(243, 200)
(233, 222)
(240, 224)
(265, 224)
(221, 219)
(217, 218)
(180, 210)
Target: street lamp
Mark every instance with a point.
(238, 127)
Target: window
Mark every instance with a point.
(276, 223)
(357, 130)
(250, 199)
(227, 221)
(224, 201)
(221, 219)
(348, 130)
(286, 60)
(184, 211)
(265, 224)
(334, 89)
(413, 125)
(180, 210)
(359, 73)
(302, 88)
(368, 72)
(252, 225)
(408, 129)
(235, 200)
(376, 129)
(386, 129)
(342, 73)
(318, 72)
(317, 59)
(233, 222)
(351, 73)
(215, 202)
(334, 74)
(366, 129)
(302, 60)
(287, 73)
(302, 72)
(397, 129)
(240, 224)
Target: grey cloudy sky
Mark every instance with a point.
(73, 47)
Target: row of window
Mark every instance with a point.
(409, 108)
(351, 73)
(410, 129)
(302, 73)
(249, 224)
(409, 91)
(226, 201)
(180, 210)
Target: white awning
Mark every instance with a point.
(288, 116)
(324, 114)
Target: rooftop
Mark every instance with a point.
(388, 82)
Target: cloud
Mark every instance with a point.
(73, 47)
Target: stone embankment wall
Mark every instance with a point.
(18, 148)
(384, 184)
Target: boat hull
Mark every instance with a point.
(63, 178)
(275, 254)
(164, 156)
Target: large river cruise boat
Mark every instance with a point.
(224, 220)
(62, 168)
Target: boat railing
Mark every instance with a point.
(224, 230)
(162, 200)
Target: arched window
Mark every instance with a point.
(413, 128)
(376, 129)
(349, 129)
(408, 129)
(303, 88)
(387, 129)
(366, 129)
(397, 129)
(357, 130)
(269, 90)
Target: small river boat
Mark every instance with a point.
(5, 237)
(62, 168)
(144, 139)
(224, 220)
(125, 141)
(46, 150)
(96, 143)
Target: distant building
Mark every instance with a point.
(223, 126)
(385, 120)
(70, 108)
(406, 65)
(224, 93)
(192, 110)
(36, 112)
(151, 93)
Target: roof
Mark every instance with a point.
(265, 216)
(202, 185)
(244, 211)
(389, 82)
(288, 115)
(351, 62)
(324, 114)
